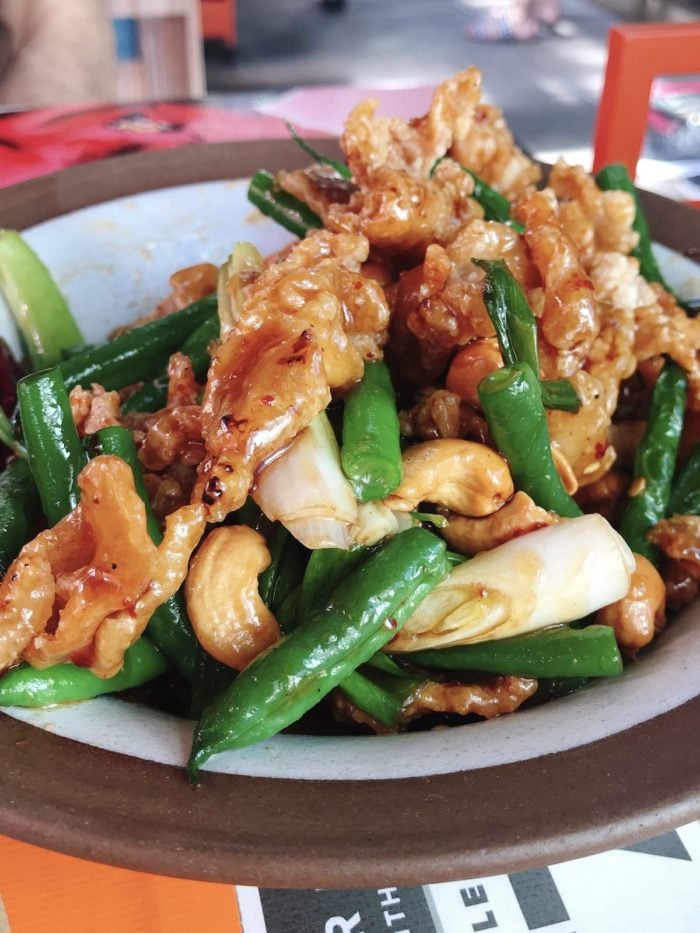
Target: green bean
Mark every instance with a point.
(655, 462)
(154, 394)
(55, 453)
(287, 612)
(40, 310)
(197, 345)
(17, 510)
(553, 688)
(285, 573)
(210, 679)
(616, 178)
(555, 652)
(516, 330)
(510, 398)
(362, 614)
(138, 354)
(559, 394)
(685, 491)
(371, 451)
(281, 206)
(340, 168)
(66, 683)
(382, 696)
(169, 626)
(325, 571)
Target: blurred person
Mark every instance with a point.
(517, 21)
(55, 52)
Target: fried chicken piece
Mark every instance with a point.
(371, 142)
(170, 489)
(639, 615)
(620, 290)
(85, 589)
(304, 325)
(568, 309)
(263, 388)
(441, 413)
(596, 221)
(582, 436)
(439, 305)
(183, 388)
(173, 435)
(489, 150)
(679, 537)
(493, 697)
(318, 186)
(640, 322)
(401, 215)
(664, 328)
(94, 409)
(437, 413)
(319, 286)
(489, 697)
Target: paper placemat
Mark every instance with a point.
(648, 887)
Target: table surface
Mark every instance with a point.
(644, 887)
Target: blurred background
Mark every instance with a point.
(543, 61)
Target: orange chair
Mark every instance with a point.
(638, 53)
(219, 21)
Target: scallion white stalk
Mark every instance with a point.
(375, 521)
(307, 491)
(547, 577)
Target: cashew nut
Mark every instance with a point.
(641, 613)
(465, 477)
(517, 517)
(228, 616)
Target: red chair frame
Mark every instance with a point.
(637, 53)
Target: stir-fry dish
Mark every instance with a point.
(436, 460)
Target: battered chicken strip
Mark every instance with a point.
(596, 221)
(679, 538)
(639, 321)
(94, 409)
(85, 589)
(401, 215)
(372, 142)
(567, 307)
(305, 326)
(664, 328)
(490, 697)
(439, 305)
(489, 150)
(620, 290)
(318, 186)
(582, 436)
